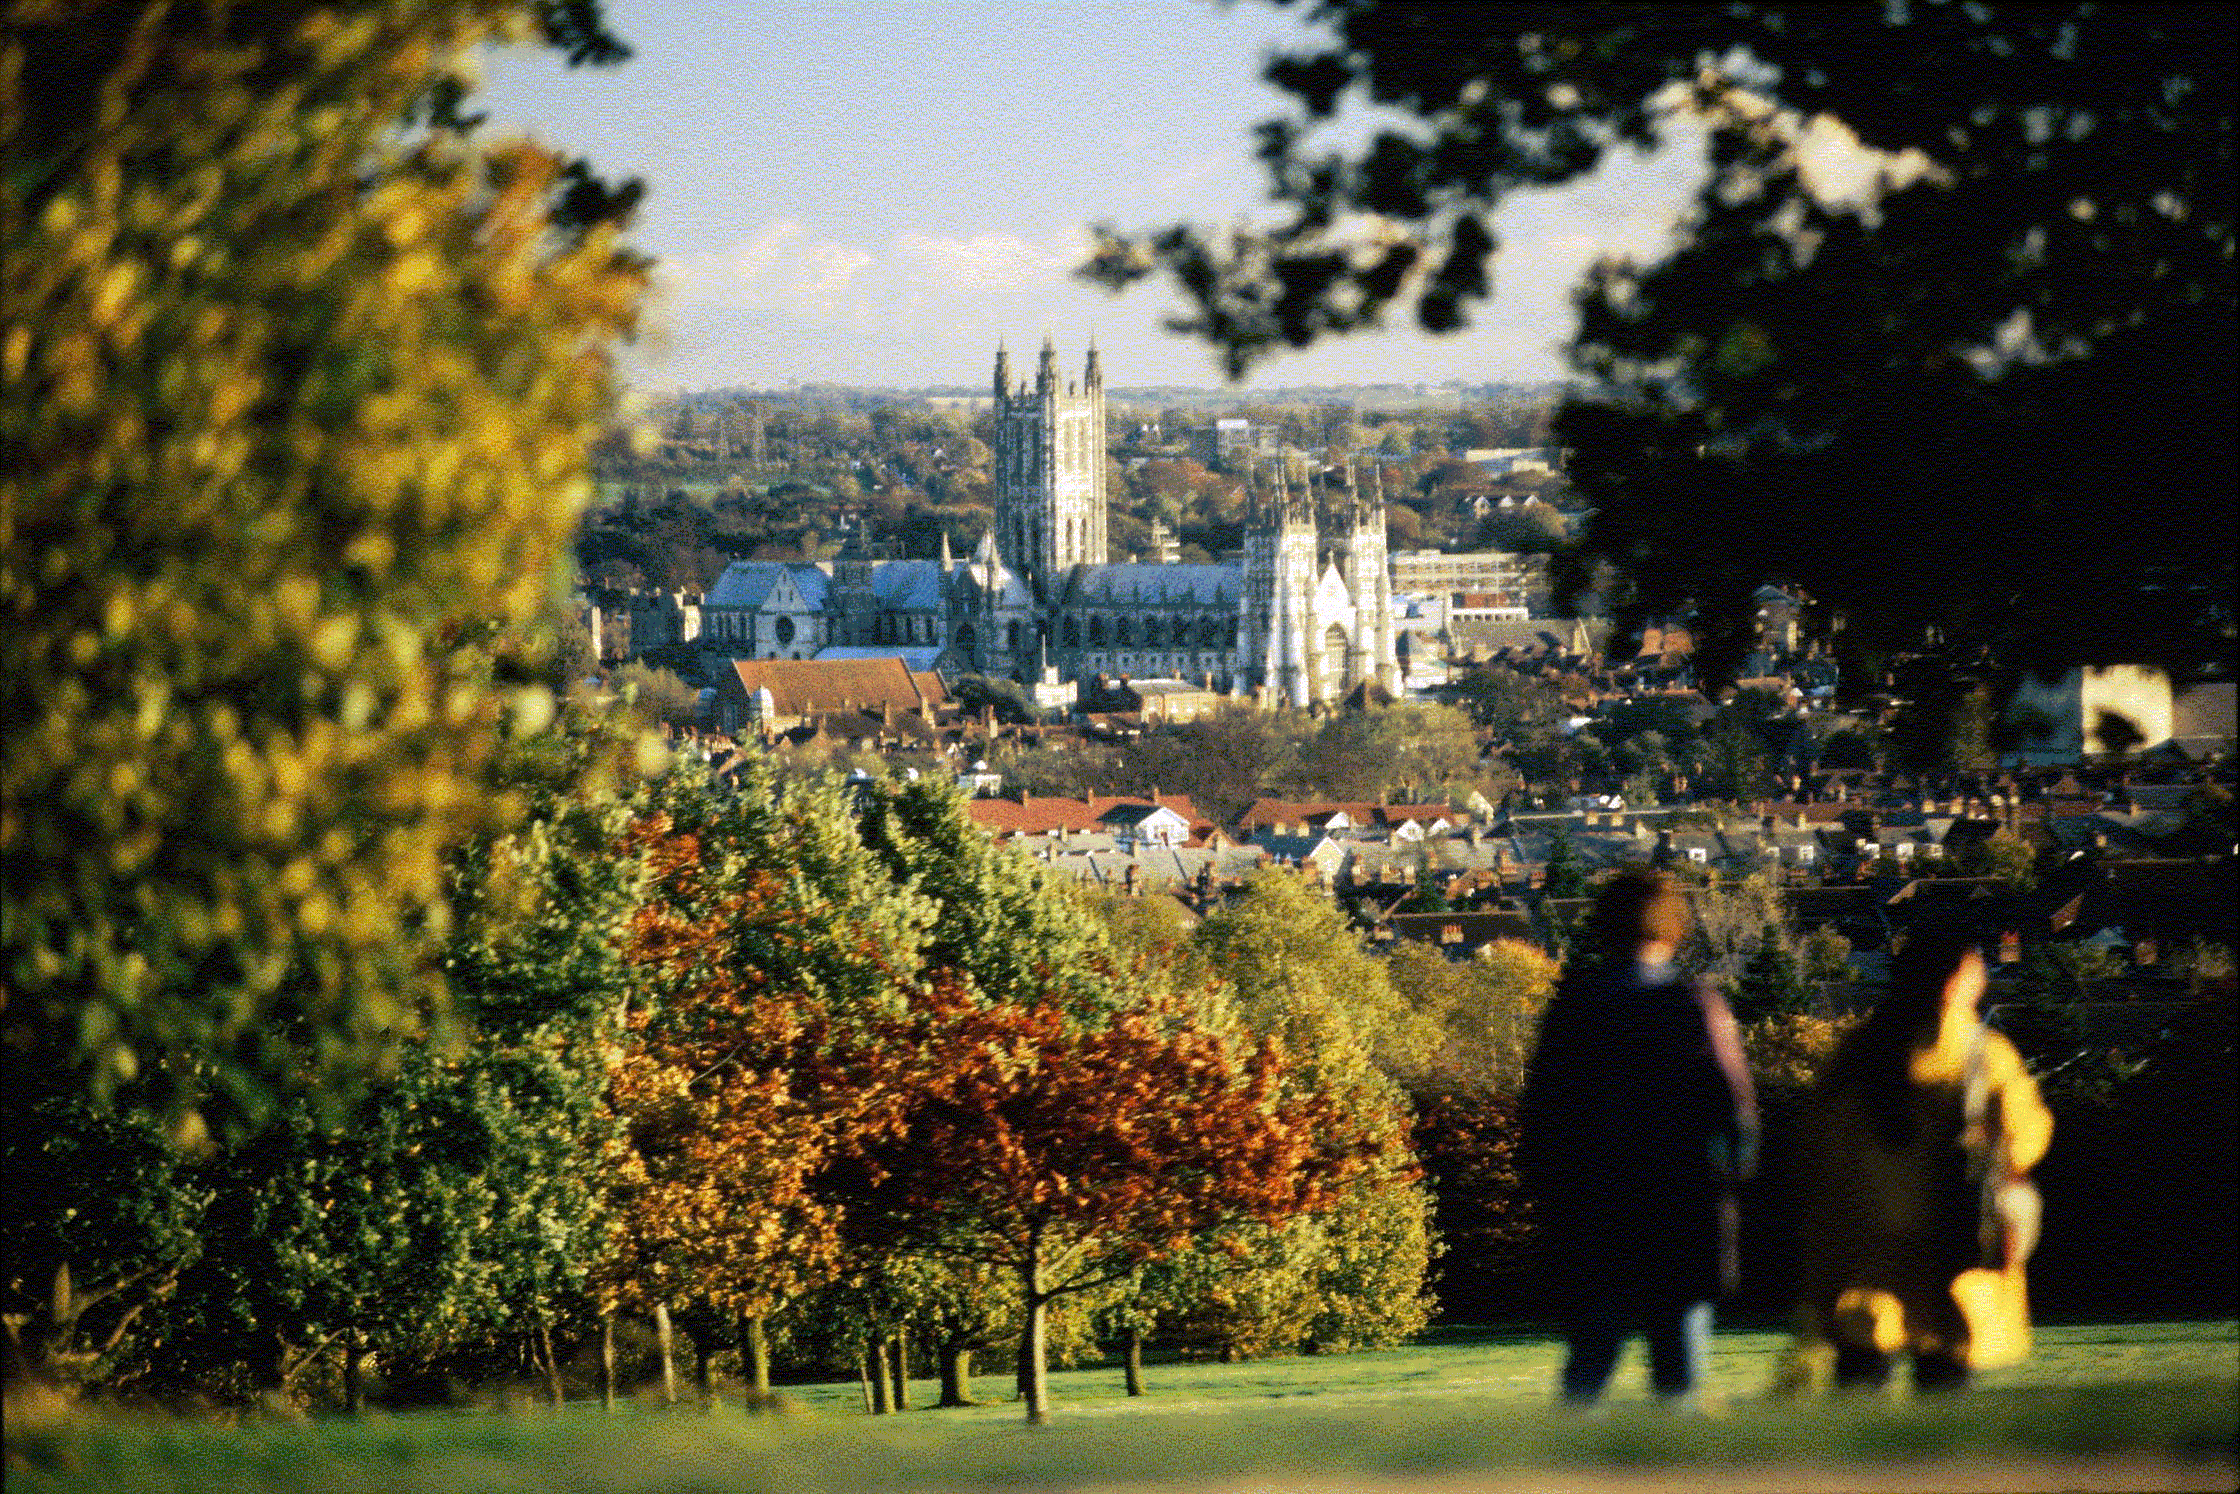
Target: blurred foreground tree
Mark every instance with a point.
(2027, 208)
(296, 391)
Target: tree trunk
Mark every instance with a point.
(882, 1390)
(899, 1348)
(1134, 1360)
(551, 1364)
(606, 1359)
(353, 1374)
(1034, 1384)
(956, 1376)
(863, 1376)
(702, 1381)
(666, 1339)
(754, 1338)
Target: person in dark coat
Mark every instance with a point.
(1639, 1118)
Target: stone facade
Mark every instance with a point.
(1302, 616)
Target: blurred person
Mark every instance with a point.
(1639, 1118)
(1918, 1212)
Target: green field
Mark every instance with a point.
(1460, 1404)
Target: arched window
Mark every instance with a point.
(1210, 634)
(1123, 633)
(1072, 632)
(1096, 632)
(1011, 636)
(1154, 632)
(785, 630)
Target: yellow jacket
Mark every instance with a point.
(1881, 1268)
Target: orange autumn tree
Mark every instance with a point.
(1071, 1150)
(731, 1104)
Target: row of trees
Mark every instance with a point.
(1225, 760)
(778, 1065)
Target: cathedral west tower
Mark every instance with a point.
(1049, 472)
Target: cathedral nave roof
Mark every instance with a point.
(1148, 584)
(907, 585)
(748, 583)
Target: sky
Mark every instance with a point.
(874, 192)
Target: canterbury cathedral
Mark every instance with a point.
(1302, 615)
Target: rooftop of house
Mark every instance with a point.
(807, 687)
(1271, 814)
(1036, 815)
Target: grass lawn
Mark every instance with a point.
(1461, 1403)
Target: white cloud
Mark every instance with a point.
(779, 267)
(988, 262)
(784, 269)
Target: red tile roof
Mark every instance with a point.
(806, 687)
(1040, 815)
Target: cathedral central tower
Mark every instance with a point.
(1049, 471)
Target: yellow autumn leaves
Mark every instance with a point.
(298, 400)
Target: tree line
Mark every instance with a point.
(787, 1070)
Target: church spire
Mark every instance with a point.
(1003, 371)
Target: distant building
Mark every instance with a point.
(778, 695)
(1506, 586)
(1227, 441)
(1303, 616)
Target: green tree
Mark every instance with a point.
(1487, 1008)
(1296, 971)
(1411, 747)
(458, 1207)
(1067, 771)
(1222, 761)
(975, 692)
(1510, 703)
(1000, 924)
(1826, 963)
(2050, 218)
(1565, 875)
(655, 696)
(1731, 920)
(2054, 987)
(291, 396)
(108, 1216)
(1770, 984)
(2006, 856)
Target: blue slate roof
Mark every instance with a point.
(908, 585)
(1142, 583)
(748, 583)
